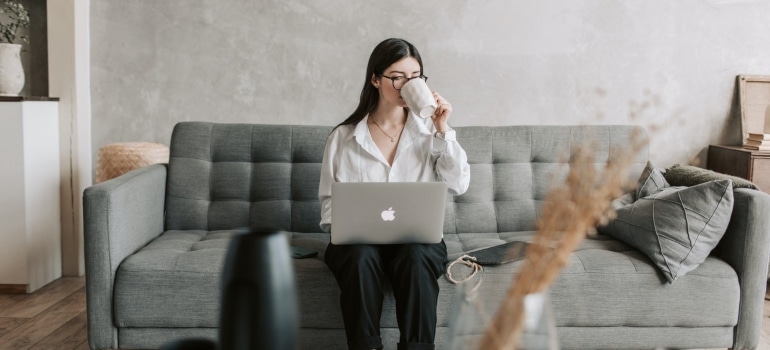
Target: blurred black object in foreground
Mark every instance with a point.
(259, 298)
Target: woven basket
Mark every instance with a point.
(119, 158)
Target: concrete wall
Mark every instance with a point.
(668, 65)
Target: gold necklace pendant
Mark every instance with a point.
(392, 138)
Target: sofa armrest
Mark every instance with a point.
(746, 247)
(119, 216)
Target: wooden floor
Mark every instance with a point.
(54, 317)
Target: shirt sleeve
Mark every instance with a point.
(328, 169)
(451, 163)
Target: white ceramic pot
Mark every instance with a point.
(11, 71)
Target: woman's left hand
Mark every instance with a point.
(443, 111)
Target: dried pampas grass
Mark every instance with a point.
(570, 213)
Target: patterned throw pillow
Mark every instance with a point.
(676, 227)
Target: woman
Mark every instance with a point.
(382, 141)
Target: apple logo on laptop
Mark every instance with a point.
(388, 215)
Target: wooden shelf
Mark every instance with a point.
(27, 98)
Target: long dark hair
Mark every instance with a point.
(384, 54)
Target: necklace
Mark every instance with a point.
(392, 138)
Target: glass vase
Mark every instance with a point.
(471, 314)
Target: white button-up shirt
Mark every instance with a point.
(421, 156)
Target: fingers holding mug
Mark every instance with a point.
(443, 108)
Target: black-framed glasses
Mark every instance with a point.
(398, 82)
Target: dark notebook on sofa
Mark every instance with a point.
(500, 254)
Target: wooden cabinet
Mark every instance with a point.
(738, 161)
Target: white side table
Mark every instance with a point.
(30, 218)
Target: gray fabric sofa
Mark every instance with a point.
(156, 238)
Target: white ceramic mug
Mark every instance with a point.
(418, 97)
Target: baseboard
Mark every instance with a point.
(13, 288)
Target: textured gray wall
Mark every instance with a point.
(668, 65)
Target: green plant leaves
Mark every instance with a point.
(13, 16)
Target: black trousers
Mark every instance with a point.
(413, 271)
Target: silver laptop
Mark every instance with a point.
(388, 212)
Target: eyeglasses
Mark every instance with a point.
(398, 82)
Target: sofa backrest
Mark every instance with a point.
(514, 167)
(228, 176)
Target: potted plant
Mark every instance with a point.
(13, 17)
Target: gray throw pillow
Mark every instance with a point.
(676, 227)
(650, 181)
(686, 175)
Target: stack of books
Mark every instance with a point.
(757, 142)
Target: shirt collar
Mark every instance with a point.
(360, 130)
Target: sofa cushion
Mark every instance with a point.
(175, 281)
(609, 284)
(677, 227)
